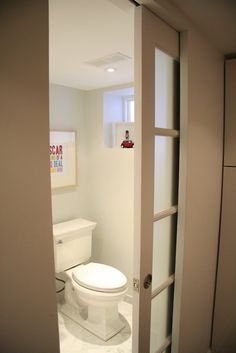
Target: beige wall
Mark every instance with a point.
(224, 328)
(28, 320)
(224, 339)
(200, 192)
(230, 113)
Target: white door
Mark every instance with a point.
(156, 180)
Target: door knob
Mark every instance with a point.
(147, 281)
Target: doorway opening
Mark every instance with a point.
(92, 96)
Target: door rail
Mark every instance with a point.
(163, 214)
(166, 132)
(163, 286)
(165, 345)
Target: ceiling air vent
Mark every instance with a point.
(109, 59)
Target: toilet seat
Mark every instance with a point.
(99, 277)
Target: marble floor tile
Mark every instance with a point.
(75, 339)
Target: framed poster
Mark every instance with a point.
(62, 151)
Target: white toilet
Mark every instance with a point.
(92, 290)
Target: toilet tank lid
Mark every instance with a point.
(71, 226)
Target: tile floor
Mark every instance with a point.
(75, 339)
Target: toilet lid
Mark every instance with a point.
(99, 277)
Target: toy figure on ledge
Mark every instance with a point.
(127, 143)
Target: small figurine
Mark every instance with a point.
(127, 143)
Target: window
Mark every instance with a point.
(128, 109)
(118, 115)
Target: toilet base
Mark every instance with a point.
(104, 323)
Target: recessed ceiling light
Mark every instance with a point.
(110, 69)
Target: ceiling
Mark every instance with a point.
(85, 30)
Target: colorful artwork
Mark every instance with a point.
(62, 152)
(56, 158)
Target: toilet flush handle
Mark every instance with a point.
(58, 242)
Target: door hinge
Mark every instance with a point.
(136, 284)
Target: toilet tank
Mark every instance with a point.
(72, 243)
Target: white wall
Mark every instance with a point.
(67, 112)
(112, 112)
(105, 177)
(28, 316)
(111, 192)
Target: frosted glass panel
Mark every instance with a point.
(166, 172)
(164, 239)
(166, 91)
(161, 318)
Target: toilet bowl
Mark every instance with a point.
(92, 294)
(92, 290)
